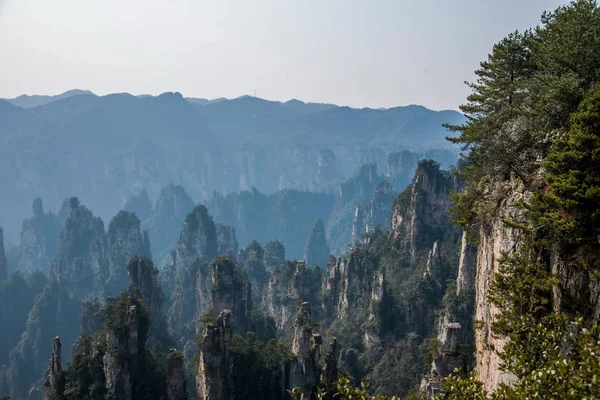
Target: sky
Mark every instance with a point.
(375, 53)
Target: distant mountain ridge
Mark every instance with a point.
(104, 149)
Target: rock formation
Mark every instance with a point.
(373, 212)
(190, 297)
(164, 225)
(230, 292)
(227, 244)
(79, 273)
(215, 368)
(305, 370)
(124, 239)
(143, 276)
(91, 317)
(467, 267)
(447, 358)
(274, 255)
(39, 239)
(176, 385)
(420, 214)
(3, 263)
(291, 283)
(55, 380)
(317, 251)
(495, 239)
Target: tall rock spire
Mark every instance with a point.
(317, 250)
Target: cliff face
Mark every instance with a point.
(54, 383)
(291, 283)
(3, 263)
(167, 218)
(80, 266)
(252, 263)
(230, 292)
(373, 212)
(142, 275)
(467, 266)
(190, 297)
(446, 359)
(124, 239)
(495, 238)
(420, 213)
(39, 239)
(305, 370)
(176, 385)
(215, 368)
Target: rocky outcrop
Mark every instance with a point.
(274, 255)
(190, 297)
(305, 372)
(291, 283)
(231, 292)
(55, 380)
(176, 386)
(495, 239)
(39, 239)
(227, 244)
(252, 264)
(215, 368)
(198, 239)
(80, 266)
(252, 252)
(420, 214)
(124, 239)
(467, 267)
(434, 268)
(3, 263)
(330, 371)
(120, 348)
(143, 276)
(447, 358)
(373, 212)
(349, 280)
(164, 225)
(317, 251)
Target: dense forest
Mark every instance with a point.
(416, 281)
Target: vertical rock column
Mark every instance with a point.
(54, 381)
(176, 387)
(304, 370)
(215, 370)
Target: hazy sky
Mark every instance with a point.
(374, 53)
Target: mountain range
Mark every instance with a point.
(104, 149)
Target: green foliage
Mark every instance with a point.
(567, 210)
(343, 390)
(541, 128)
